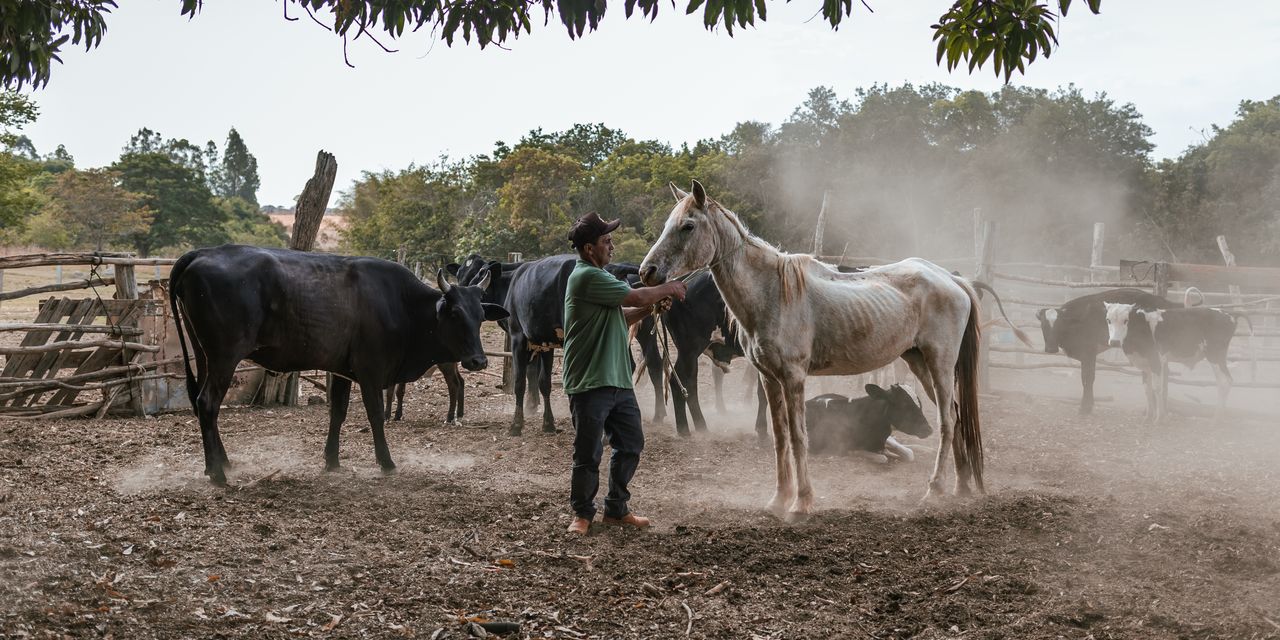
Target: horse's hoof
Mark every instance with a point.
(796, 517)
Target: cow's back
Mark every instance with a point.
(299, 310)
(1081, 326)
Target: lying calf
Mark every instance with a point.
(863, 426)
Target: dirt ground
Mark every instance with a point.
(1093, 527)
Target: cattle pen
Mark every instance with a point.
(1025, 287)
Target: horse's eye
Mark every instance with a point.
(688, 226)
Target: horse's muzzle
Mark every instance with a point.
(652, 276)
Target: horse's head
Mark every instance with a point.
(689, 238)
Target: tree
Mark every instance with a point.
(16, 201)
(94, 210)
(410, 213)
(247, 224)
(183, 206)
(1009, 34)
(238, 177)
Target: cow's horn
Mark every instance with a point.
(484, 280)
(441, 282)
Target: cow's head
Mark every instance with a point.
(689, 240)
(904, 410)
(1048, 321)
(1117, 323)
(470, 269)
(459, 313)
(1153, 318)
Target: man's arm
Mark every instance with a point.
(635, 314)
(648, 296)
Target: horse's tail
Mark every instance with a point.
(175, 292)
(1022, 335)
(967, 443)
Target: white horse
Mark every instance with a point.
(801, 317)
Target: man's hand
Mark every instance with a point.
(675, 289)
(664, 305)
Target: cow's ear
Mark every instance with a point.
(677, 192)
(875, 391)
(494, 312)
(699, 195)
(452, 268)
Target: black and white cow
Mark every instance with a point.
(1079, 329)
(1151, 339)
(864, 426)
(366, 320)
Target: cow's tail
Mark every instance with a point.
(968, 433)
(1022, 335)
(175, 292)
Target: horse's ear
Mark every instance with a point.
(699, 195)
(675, 191)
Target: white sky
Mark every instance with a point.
(283, 85)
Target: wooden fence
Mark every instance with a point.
(1025, 287)
(103, 347)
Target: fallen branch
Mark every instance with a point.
(689, 628)
(79, 344)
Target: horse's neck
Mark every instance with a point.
(748, 280)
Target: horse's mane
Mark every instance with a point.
(791, 266)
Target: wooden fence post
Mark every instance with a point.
(1095, 254)
(821, 227)
(1230, 260)
(307, 216)
(1162, 279)
(127, 289)
(986, 251)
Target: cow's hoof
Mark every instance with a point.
(550, 431)
(684, 433)
(332, 466)
(1084, 411)
(388, 469)
(514, 432)
(217, 479)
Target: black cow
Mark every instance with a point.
(1153, 338)
(692, 325)
(367, 320)
(1079, 329)
(536, 326)
(843, 426)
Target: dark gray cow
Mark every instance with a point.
(864, 426)
(366, 320)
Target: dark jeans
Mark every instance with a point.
(598, 412)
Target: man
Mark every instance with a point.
(597, 373)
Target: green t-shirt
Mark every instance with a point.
(595, 331)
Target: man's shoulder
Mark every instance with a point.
(585, 271)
